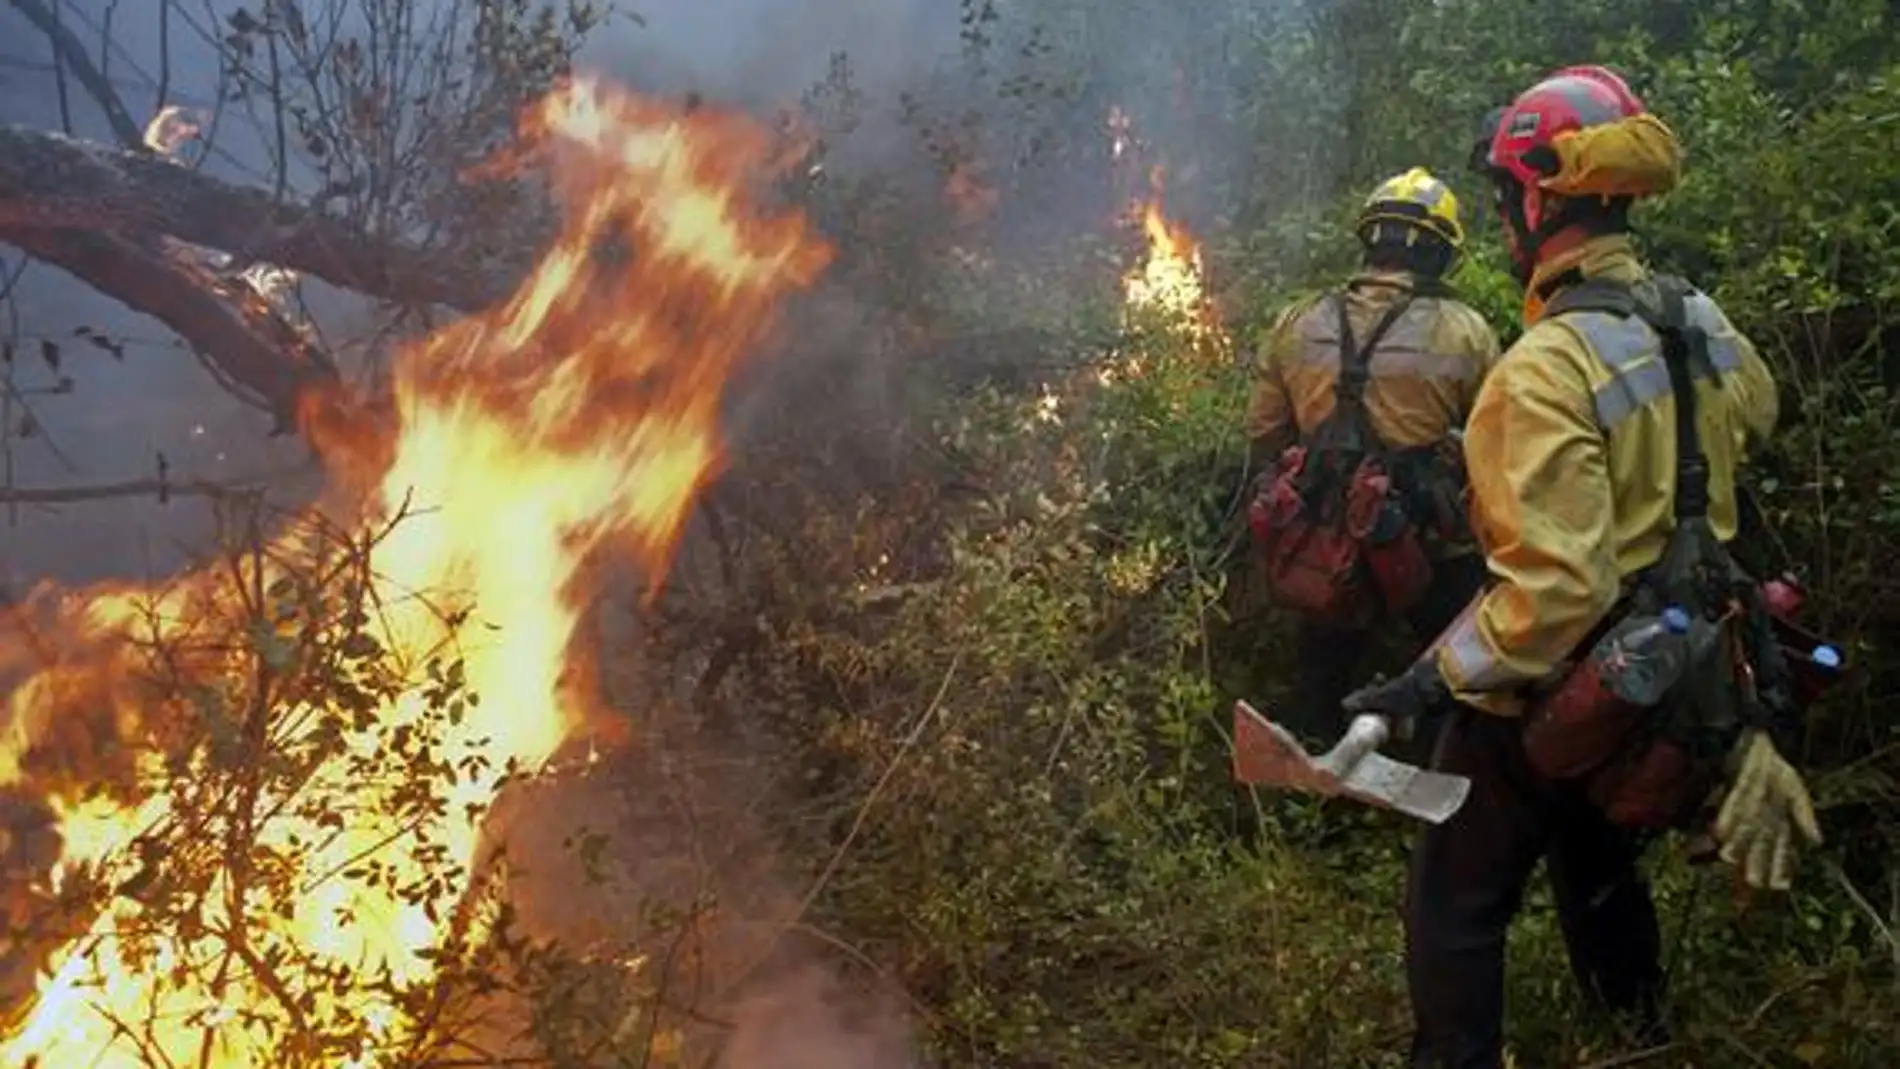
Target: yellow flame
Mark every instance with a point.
(1169, 281)
(579, 415)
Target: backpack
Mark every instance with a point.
(1657, 771)
(1331, 521)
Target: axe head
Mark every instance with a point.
(1267, 755)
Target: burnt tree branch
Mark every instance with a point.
(49, 180)
(259, 357)
(161, 489)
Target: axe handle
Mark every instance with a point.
(1366, 734)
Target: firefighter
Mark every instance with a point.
(1420, 355)
(1570, 448)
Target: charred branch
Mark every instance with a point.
(254, 353)
(48, 180)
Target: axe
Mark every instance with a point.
(1267, 755)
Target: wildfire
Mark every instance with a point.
(1169, 281)
(580, 417)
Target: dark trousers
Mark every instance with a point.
(1330, 658)
(1467, 881)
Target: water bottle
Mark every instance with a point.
(1639, 667)
(1580, 724)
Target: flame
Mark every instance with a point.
(578, 418)
(1170, 281)
(168, 131)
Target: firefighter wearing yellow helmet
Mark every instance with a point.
(1358, 513)
(1602, 454)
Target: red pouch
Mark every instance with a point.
(1316, 569)
(1393, 551)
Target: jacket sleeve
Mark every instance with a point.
(1541, 504)
(1480, 344)
(1756, 396)
(1270, 425)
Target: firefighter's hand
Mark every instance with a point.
(1405, 701)
(1766, 809)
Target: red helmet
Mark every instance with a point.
(1571, 99)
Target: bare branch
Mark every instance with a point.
(159, 488)
(72, 51)
(253, 351)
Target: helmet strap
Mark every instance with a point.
(1530, 242)
(1511, 194)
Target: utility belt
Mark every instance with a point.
(1644, 721)
(1343, 537)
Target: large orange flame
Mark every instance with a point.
(579, 417)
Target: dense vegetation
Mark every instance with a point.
(1053, 863)
(972, 601)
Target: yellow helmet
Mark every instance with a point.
(1414, 201)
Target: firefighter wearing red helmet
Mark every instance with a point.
(1602, 456)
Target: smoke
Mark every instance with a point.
(966, 163)
(661, 850)
(922, 107)
(914, 100)
(809, 1019)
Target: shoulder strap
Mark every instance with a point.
(1355, 361)
(1684, 346)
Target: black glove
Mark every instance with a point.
(1408, 702)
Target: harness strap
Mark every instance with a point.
(1684, 346)
(1355, 364)
(1684, 343)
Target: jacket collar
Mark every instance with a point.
(1395, 282)
(1607, 256)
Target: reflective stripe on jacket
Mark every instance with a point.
(1571, 454)
(1424, 374)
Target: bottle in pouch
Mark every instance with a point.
(1579, 725)
(1396, 557)
(1659, 784)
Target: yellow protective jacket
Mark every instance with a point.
(1425, 372)
(1571, 455)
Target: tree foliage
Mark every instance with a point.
(973, 599)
